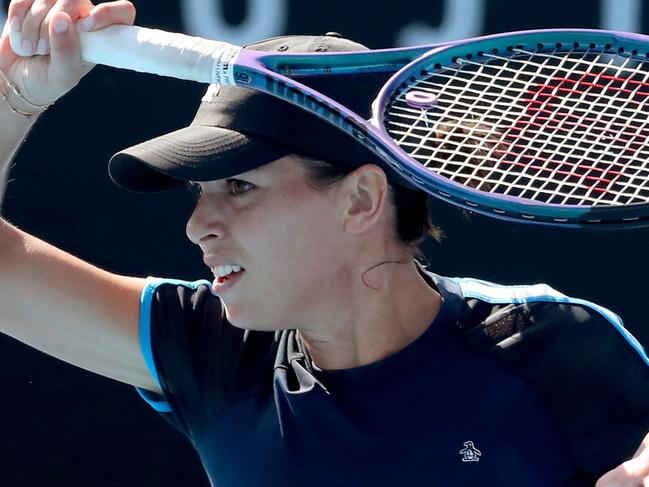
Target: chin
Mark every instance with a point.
(247, 321)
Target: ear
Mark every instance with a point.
(366, 191)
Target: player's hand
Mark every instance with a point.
(49, 28)
(632, 473)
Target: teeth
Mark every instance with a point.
(224, 270)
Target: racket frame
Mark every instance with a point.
(506, 207)
(279, 75)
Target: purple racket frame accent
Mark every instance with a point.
(261, 71)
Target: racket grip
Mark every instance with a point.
(158, 52)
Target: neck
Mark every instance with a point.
(389, 310)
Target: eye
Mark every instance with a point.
(236, 187)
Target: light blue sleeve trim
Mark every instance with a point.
(157, 402)
(497, 293)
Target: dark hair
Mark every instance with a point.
(411, 207)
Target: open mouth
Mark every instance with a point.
(225, 273)
(222, 279)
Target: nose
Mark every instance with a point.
(204, 223)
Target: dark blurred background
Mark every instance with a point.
(62, 426)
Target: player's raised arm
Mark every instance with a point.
(49, 299)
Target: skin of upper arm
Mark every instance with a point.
(70, 309)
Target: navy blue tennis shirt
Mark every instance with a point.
(509, 386)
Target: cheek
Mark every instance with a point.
(306, 235)
(296, 247)
(292, 247)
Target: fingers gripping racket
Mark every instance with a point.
(546, 127)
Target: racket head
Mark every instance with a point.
(291, 76)
(443, 104)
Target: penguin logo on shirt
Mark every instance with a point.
(470, 453)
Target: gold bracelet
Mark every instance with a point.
(5, 96)
(16, 110)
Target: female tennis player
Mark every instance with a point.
(323, 353)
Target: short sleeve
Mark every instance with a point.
(590, 374)
(201, 362)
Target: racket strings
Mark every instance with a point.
(555, 146)
(559, 127)
(410, 113)
(540, 132)
(594, 182)
(475, 137)
(597, 185)
(563, 172)
(507, 181)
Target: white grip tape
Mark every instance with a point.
(156, 52)
(223, 67)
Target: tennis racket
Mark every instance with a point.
(546, 127)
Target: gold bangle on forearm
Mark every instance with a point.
(38, 109)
